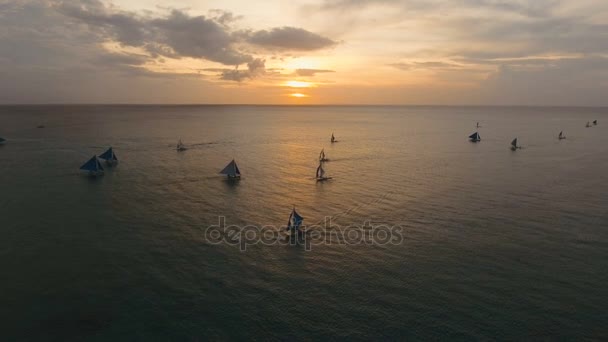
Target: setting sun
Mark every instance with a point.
(299, 95)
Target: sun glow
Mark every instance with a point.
(298, 95)
(298, 84)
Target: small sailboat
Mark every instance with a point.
(109, 156)
(587, 125)
(322, 157)
(561, 135)
(2, 141)
(478, 125)
(93, 167)
(294, 222)
(514, 145)
(475, 137)
(333, 139)
(40, 126)
(181, 146)
(321, 173)
(594, 122)
(231, 170)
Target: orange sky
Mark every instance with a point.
(543, 52)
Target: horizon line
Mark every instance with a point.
(297, 105)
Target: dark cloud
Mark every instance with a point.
(290, 38)
(179, 34)
(255, 68)
(311, 72)
(176, 35)
(123, 27)
(224, 17)
(197, 37)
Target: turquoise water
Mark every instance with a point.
(494, 244)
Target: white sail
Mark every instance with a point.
(322, 155)
(320, 172)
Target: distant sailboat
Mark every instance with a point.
(475, 137)
(2, 141)
(588, 125)
(561, 135)
(181, 146)
(231, 170)
(333, 139)
(322, 157)
(514, 145)
(594, 122)
(294, 222)
(478, 125)
(109, 156)
(321, 173)
(93, 167)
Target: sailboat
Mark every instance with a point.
(322, 157)
(475, 137)
(594, 122)
(333, 139)
(231, 170)
(109, 156)
(93, 167)
(2, 141)
(295, 221)
(588, 125)
(514, 145)
(180, 146)
(561, 135)
(321, 173)
(478, 125)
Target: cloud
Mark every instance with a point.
(176, 35)
(559, 82)
(180, 35)
(255, 68)
(522, 7)
(311, 72)
(424, 65)
(290, 38)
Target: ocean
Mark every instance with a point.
(485, 242)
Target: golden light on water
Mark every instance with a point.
(299, 84)
(298, 95)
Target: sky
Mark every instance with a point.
(436, 52)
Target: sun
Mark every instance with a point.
(298, 84)
(298, 95)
